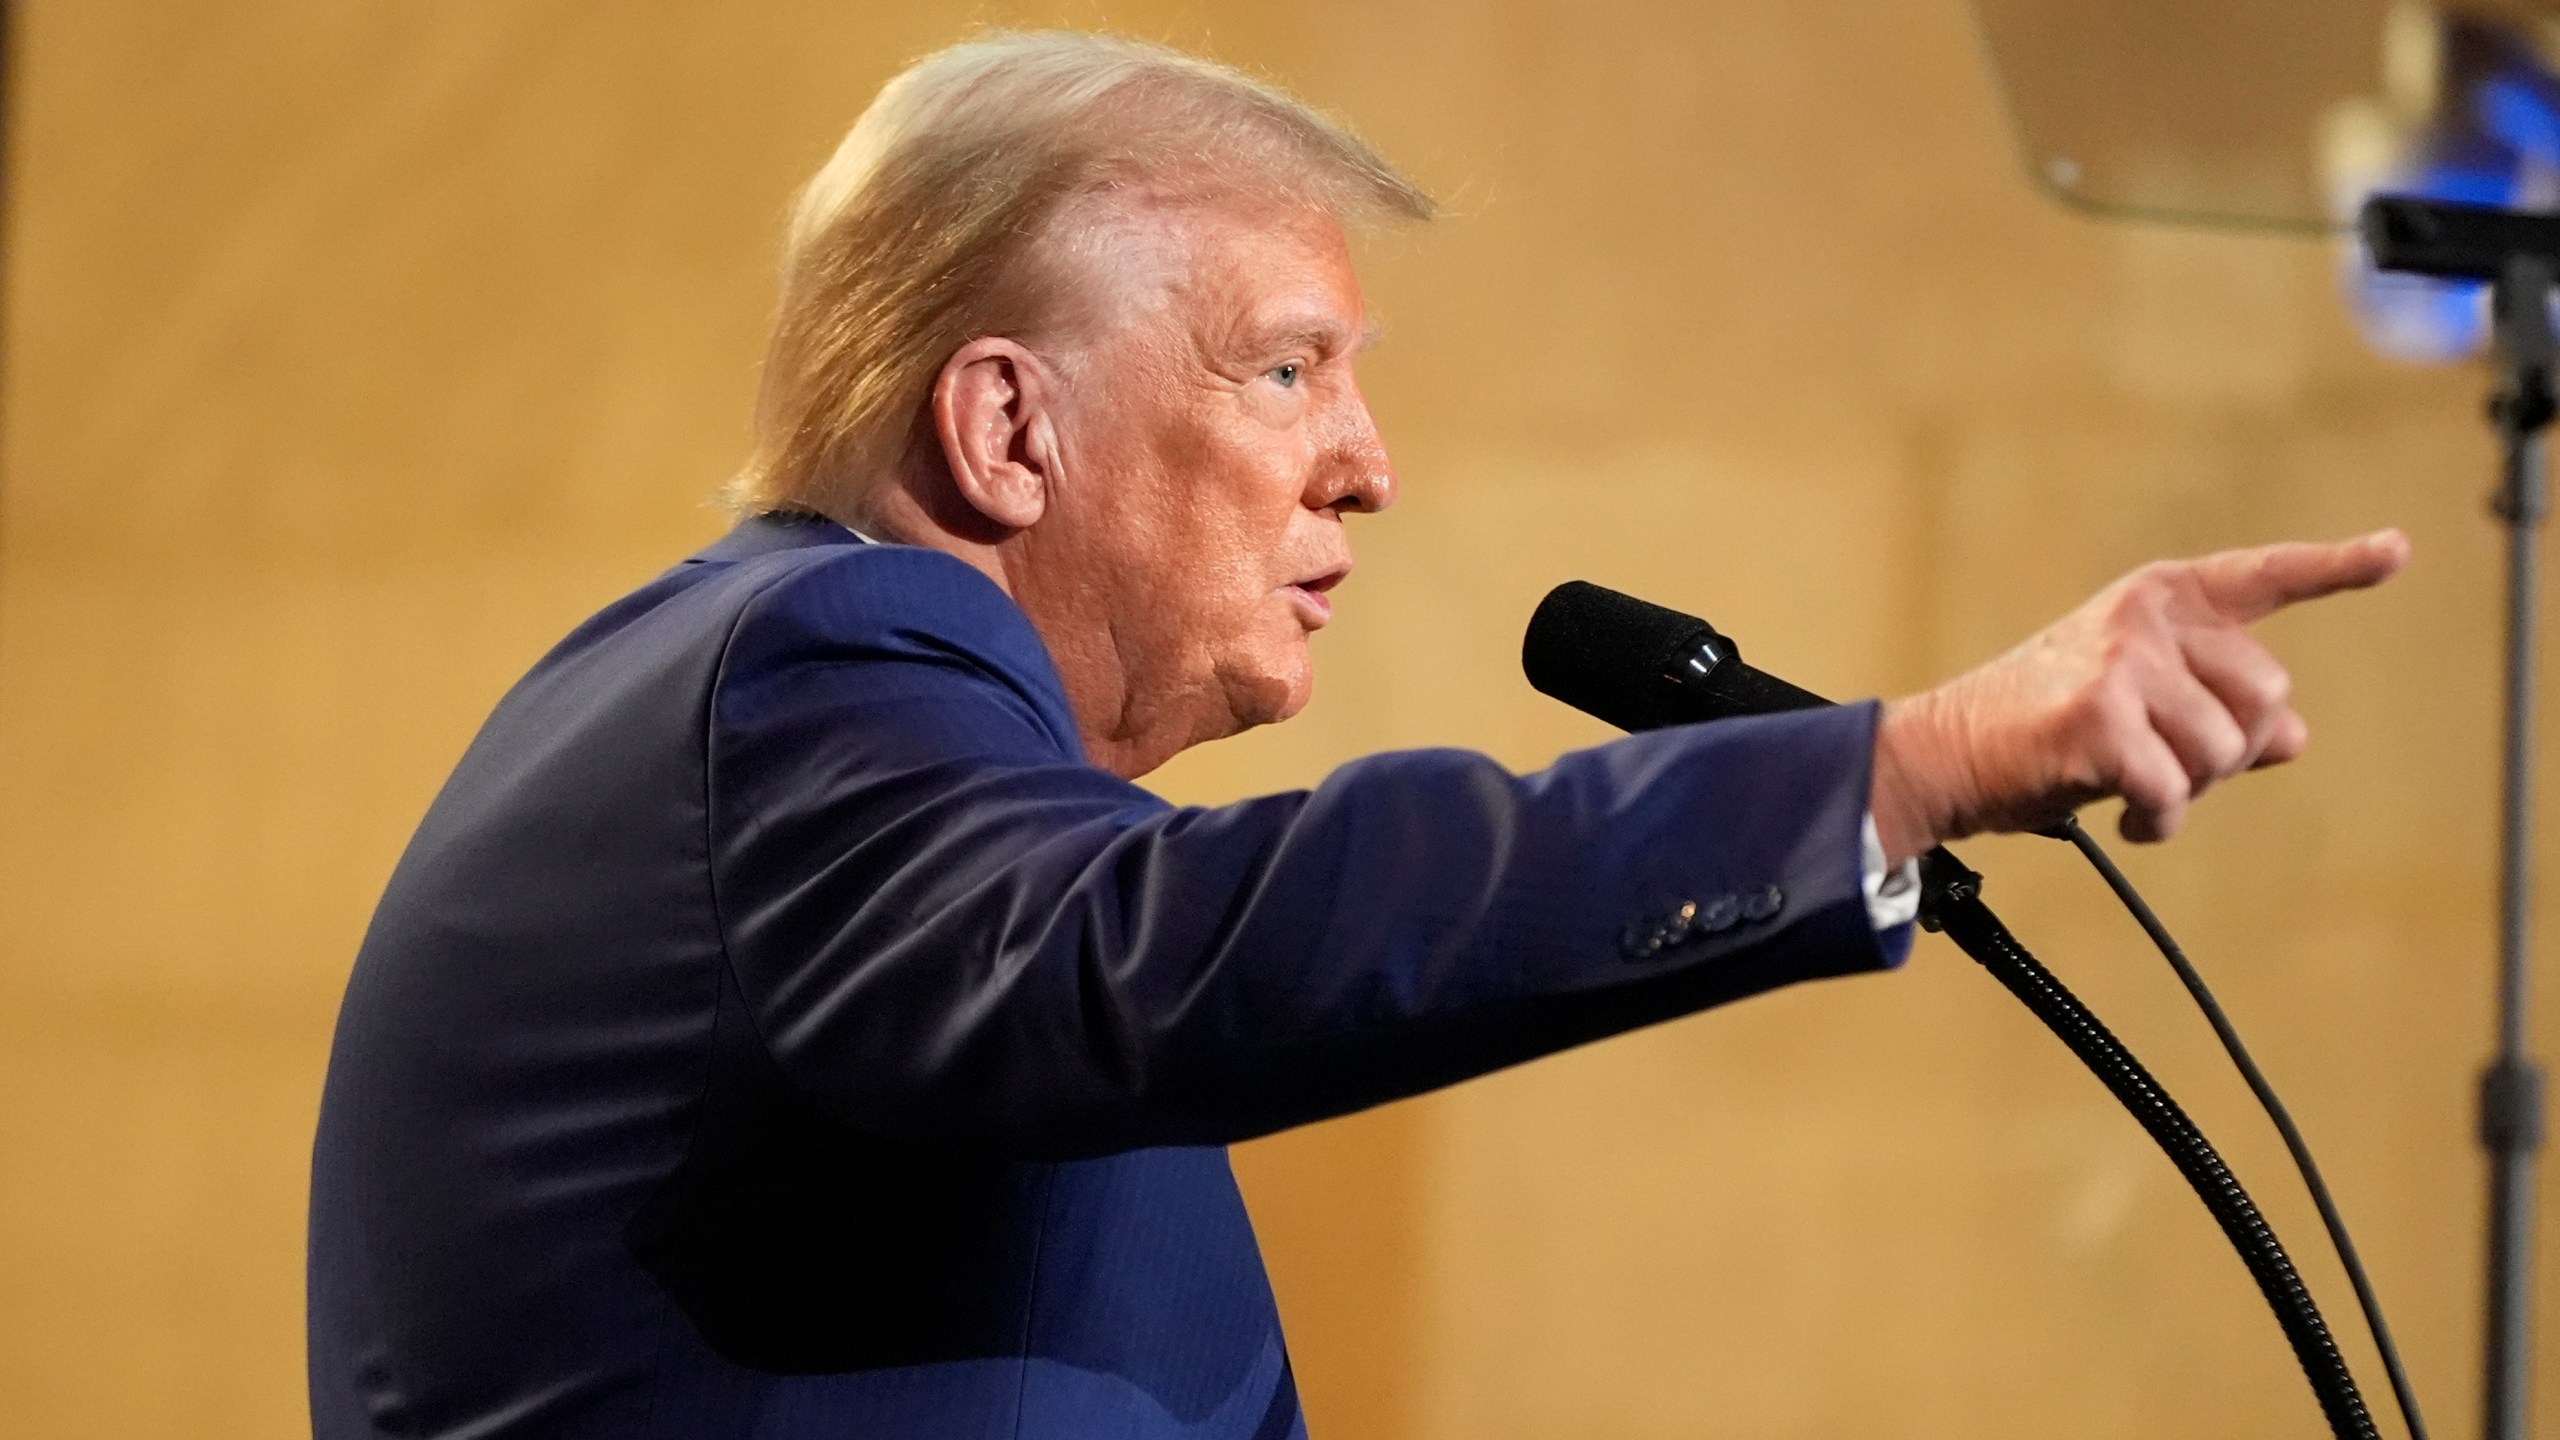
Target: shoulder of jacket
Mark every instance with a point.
(889, 604)
(852, 591)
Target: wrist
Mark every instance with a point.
(1906, 794)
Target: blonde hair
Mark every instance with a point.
(915, 238)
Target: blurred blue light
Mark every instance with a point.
(2494, 139)
(2522, 112)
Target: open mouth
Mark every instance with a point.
(1309, 595)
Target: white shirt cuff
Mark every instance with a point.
(1893, 897)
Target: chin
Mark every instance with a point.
(1300, 692)
(1272, 691)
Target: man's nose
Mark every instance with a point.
(1356, 474)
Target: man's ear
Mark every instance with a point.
(991, 411)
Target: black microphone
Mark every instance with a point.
(1640, 666)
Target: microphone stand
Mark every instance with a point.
(2511, 1085)
(2519, 255)
(1642, 667)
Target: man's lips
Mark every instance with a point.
(1308, 596)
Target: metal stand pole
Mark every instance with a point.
(2511, 1086)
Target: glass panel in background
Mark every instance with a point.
(2184, 109)
(2284, 115)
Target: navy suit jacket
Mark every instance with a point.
(778, 1029)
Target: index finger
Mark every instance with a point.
(2251, 584)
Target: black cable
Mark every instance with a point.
(2276, 1112)
(1951, 902)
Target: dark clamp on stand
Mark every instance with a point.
(2519, 256)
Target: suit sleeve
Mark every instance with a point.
(950, 930)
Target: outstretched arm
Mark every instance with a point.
(948, 929)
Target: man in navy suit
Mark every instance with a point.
(791, 1021)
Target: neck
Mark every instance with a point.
(1109, 719)
(896, 514)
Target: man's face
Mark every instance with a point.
(1211, 438)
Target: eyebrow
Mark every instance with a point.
(1327, 338)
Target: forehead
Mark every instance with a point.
(1230, 273)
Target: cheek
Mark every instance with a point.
(1198, 536)
(1226, 516)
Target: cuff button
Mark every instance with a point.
(1647, 938)
(1719, 915)
(1764, 902)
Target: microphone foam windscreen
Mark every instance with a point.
(1605, 653)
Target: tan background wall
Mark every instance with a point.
(356, 351)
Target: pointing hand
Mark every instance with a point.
(2152, 690)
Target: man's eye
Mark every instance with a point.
(1287, 375)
